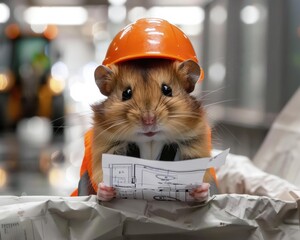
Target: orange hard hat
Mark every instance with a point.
(150, 38)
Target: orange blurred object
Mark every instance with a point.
(150, 38)
(12, 31)
(56, 85)
(7, 81)
(51, 32)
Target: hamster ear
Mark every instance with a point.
(104, 79)
(190, 73)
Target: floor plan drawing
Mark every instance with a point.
(163, 194)
(141, 181)
(136, 178)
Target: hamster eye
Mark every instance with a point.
(166, 90)
(127, 94)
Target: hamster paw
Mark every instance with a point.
(105, 193)
(201, 193)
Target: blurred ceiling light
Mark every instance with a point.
(250, 14)
(40, 28)
(93, 94)
(4, 13)
(77, 90)
(192, 30)
(218, 15)
(191, 15)
(35, 131)
(217, 72)
(117, 13)
(99, 32)
(59, 70)
(56, 15)
(88, 71)
(56, 85)
(85, 93)
(117, 2)
(136, 13)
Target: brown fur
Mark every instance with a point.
(181, 115)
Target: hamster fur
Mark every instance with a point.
(148, 103)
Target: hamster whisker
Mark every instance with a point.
(220, 131)
(74, 118)
(113, 137)
(112, 126)
(180, 116)
(121, 131)
(219, 102)
(184, 114)
(168, 100)
(109, 122)
(180, 128)
(179, 134)
(158, 102)
(135, 104)
(114, 123)
(171, 101)
(196, 113)
(207, 93)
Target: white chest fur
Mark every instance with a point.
(153, 149)
(150, 150)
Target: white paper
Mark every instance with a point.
(280, 152)
(59, 218)
(137, 178)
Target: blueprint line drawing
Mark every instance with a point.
(137, 178)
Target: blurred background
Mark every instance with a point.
(249, 49)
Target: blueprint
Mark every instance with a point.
(136, 178)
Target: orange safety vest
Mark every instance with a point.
(86, 186)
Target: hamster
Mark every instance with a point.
(149, 104)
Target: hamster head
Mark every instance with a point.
(148, 100)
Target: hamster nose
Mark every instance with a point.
(148, 118)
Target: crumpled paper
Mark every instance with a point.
(239, 175)
(275, 169)
(257, 201)
(280, 152)
(224, 216)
